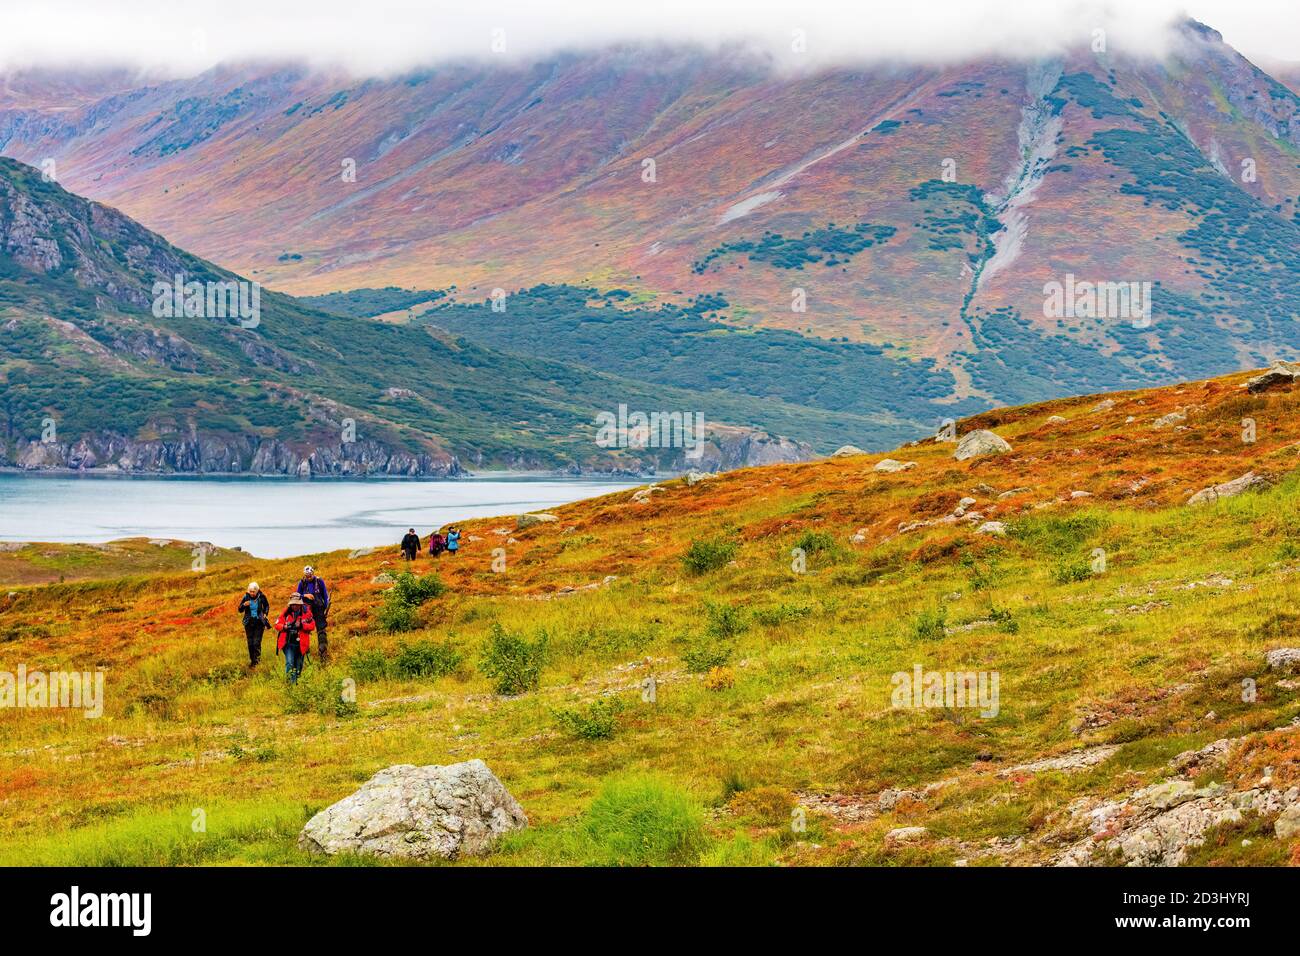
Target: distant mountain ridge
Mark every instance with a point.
(120, 351)
(919, 209)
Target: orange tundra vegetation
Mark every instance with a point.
(1125, 625)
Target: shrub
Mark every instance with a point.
(724, 620)
(1072, 571)
(705, 654)
(317, 691)
(775, 616)
(931, 624)
(811, 542)
(412, 591)
(395, 618)
(596, 721)
(426, 659)
(369, 664)
(511, 662)
(645, 821)
(719, 678)
(399, 611)
(704, 556)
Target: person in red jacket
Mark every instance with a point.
(294, 625)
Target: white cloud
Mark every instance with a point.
(381, 36)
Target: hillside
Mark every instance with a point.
(93, 374)
(921, 210)
(1141, 717)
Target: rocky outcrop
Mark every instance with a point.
(1280, 375)
(847, 451)
(727, 447)
(202, 453)
(979, 443)
(1159, 825)
(418, 813)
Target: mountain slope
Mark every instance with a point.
(922, 210)
(94, 376)
(1138, 719)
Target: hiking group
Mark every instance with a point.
(438, 543)
(307, 611)
(309, 606)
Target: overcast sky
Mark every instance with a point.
(380, 36)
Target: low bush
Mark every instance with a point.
(931, 624)
(513, 663)
(704, 556)
(596, 721)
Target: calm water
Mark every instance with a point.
(271, 518)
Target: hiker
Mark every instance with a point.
(313, 591)
(437, 544)
(410, 545)
(453, 540)
(293, 626)
(255, 608)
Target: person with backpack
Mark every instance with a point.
(437, 544)
(410, 545)
(453, 540)
(293, 626)
(312, 590)
(255, 608)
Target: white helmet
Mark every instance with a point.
(308, 570)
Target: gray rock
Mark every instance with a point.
(847, 451)
(527, 521)
(996, 528)
(1283, 659)
(1173, 418)
(1228, 489)
(979, 443)
(418, 813)
(889, 465)
(1288, 824)
(1279, 376)
(905, 835)
(695, 477)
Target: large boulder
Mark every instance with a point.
(847, 451)
(418, 813)
(979, 443)
(1228, 489)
